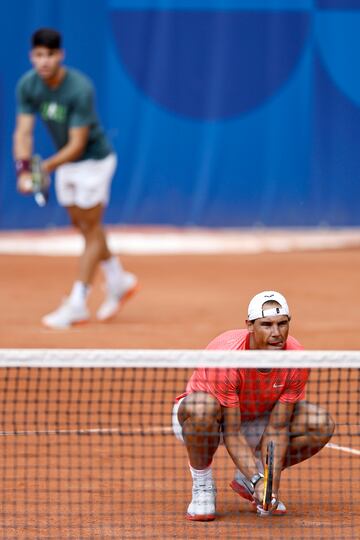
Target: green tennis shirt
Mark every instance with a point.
(69, 105)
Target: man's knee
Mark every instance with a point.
(318, 423)
(322, 424)
(202, 408)
(88, 221)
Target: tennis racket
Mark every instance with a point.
(268, 476)
(40, 181)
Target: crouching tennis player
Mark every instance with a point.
(247, 408)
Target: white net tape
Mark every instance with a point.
(176, 358)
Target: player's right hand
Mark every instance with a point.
(24, 183)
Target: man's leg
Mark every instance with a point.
(311, 429)
(200, 416)
(83, 189)
(120, 285)
(74, 309)
(88, 222)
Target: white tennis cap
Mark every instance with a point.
(255, 309)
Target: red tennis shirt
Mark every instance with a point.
(253, 391)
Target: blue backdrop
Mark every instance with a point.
(222, 112)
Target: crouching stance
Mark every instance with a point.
(247, 408)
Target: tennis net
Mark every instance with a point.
(87, 448)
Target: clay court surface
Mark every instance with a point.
(127, 485)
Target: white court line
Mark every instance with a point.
(184, 241)
(136, 431)
(343, 449)
(89, 431)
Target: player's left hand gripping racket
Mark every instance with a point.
(40, 181)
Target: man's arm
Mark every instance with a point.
(278, 431)
(238, 448)
(23, 136)
(78, 138)
(22, 150)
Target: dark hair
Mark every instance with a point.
(46, 37)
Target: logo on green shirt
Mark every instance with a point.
(53, 111)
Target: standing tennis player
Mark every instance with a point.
(247, 408)
(84, 162)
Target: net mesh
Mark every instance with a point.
(87, 448)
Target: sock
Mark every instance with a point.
(202, 477)
(113, 271)
(79, 293)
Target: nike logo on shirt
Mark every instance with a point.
(277, 385)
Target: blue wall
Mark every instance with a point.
(222, 112)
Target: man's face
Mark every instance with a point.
(46, 62)
(269, 333)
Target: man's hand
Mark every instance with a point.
(33, 179)
(24, 183)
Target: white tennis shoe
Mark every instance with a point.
(115, 297)
(66, 315)
(203, 503)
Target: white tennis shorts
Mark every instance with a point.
(252, 430)
(85, 183)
